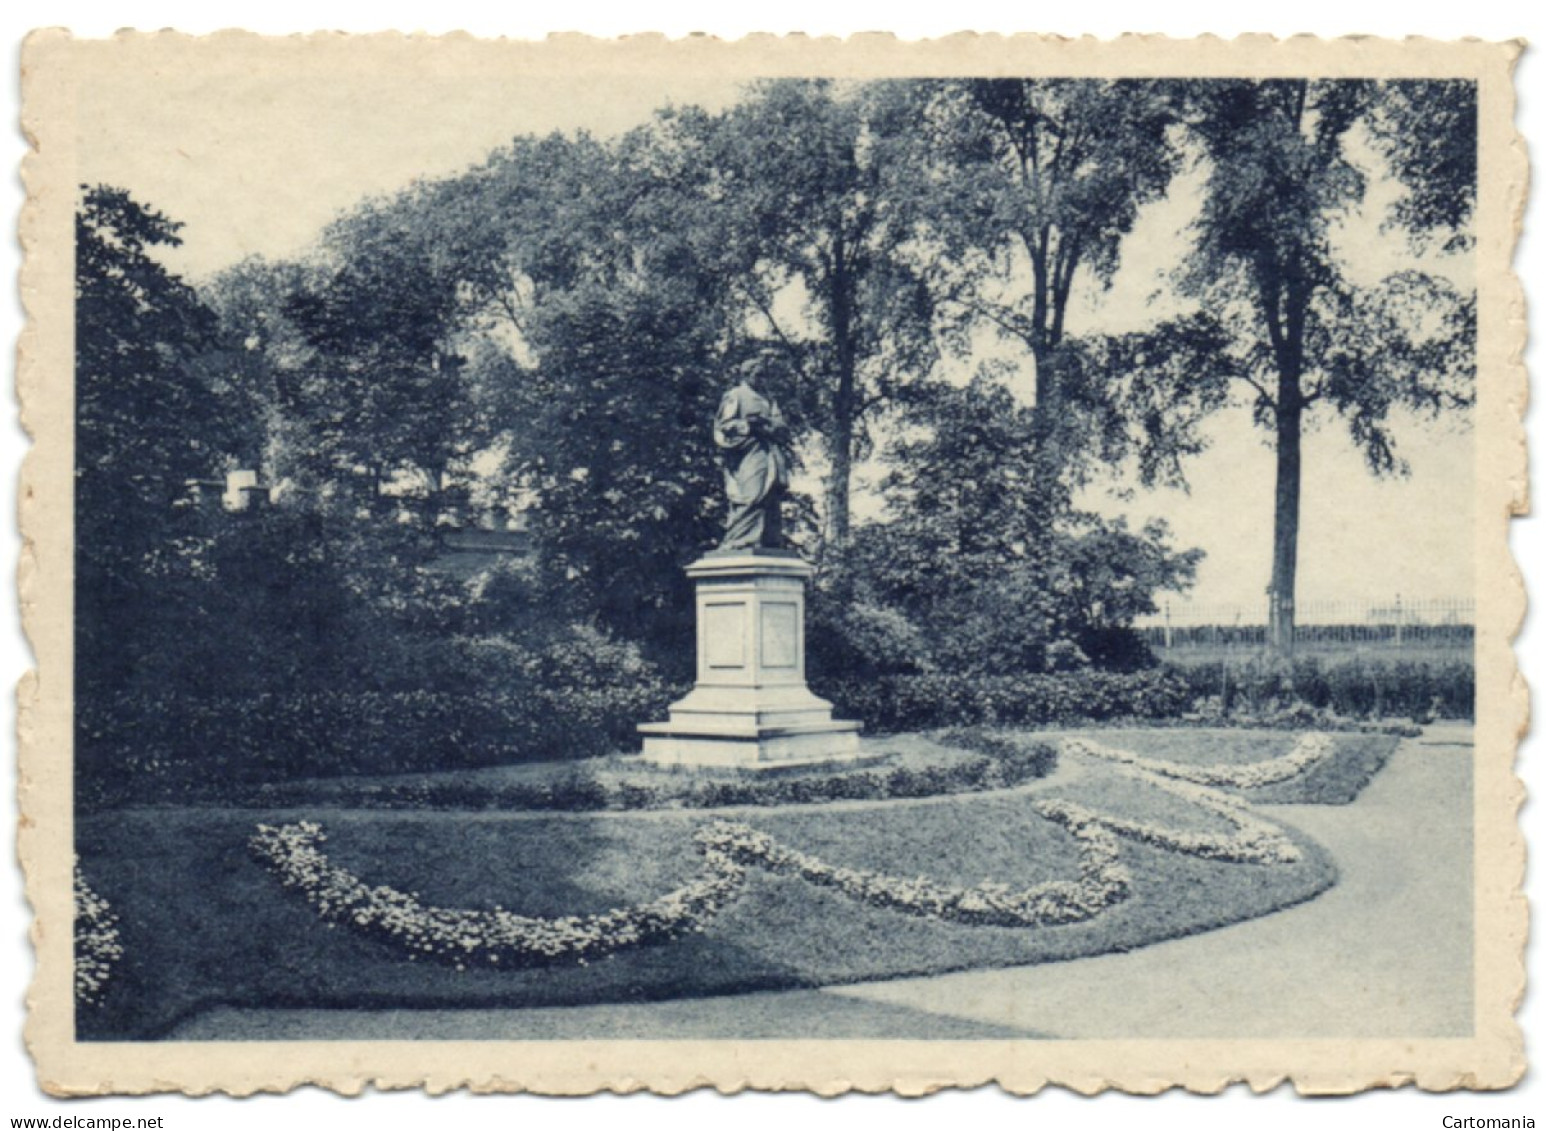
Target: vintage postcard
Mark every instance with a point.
(784, 564)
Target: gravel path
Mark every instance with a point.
(1385, 953)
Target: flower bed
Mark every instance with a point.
(1250, 840)
(727, 848)
(208, 926)
(97, 944)
(1102, 880)
(498, 936)
(1309, 751)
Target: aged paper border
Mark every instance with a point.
(1492, 1058)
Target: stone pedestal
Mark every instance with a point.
(750, 707)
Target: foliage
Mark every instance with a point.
(387, 388)
(983, 557)
(856, 637)
(145, 424)
(816, 197)
(1040, 181)
(298, 641)
(619, 460)
(259, 368)
(613, 328)
(1426, 129)
(1282, 173)
(147, 749)
(1350, 689)
(916, 702)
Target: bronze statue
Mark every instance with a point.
(752, 439)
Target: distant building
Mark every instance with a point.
(471, 538)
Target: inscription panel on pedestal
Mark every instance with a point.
(724, 635)
(780, 634)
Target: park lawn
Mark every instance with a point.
(203, 924)
(499, 787)
(1355, 759)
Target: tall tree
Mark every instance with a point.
(382, 309)
(1283, 171)
(144, 421)
(814, 199)
(1000, 572)
(615, 327)
(1037, 183)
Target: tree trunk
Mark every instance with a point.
(1285, 523)
(840, 443)
(1045, 422)
(840, 451)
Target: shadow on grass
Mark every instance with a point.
(202, 922)
(204, 925)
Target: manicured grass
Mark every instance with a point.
(959, 761)
(203, 924)
(1339, 780)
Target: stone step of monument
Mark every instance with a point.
(745, 727)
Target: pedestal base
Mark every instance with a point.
(750, 707)
(815, 744)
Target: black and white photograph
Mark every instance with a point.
(990, 557)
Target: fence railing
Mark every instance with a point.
(1438, 626)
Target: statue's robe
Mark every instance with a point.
(750, 432)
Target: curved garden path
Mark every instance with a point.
(1386, 952)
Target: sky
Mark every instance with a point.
(257, 163)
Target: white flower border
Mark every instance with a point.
(1308, 752)
(498, 936)
(728, 848)
(1103, 880)
(98, 946)
(1251, 839)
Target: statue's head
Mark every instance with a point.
(760, 365)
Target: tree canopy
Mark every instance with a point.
(1283, 170)
(554, 326)
(145, 423)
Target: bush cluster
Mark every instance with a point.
(995, 763)
(919, 702)
(150, 746)
(1354, 689)
(998, 763)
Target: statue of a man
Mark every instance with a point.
(751, 436)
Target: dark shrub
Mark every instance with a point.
(856, 638)
(923, 702)
(1356, 688)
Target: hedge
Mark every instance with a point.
(200, 742)
(887, 704)
(1352, 689)
(990, 762)
(153, 745)
(1349, 688)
